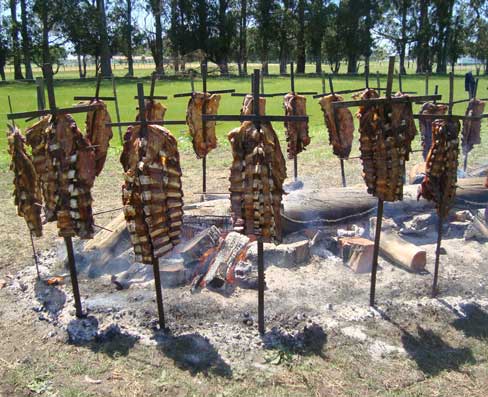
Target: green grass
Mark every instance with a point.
(23, 96)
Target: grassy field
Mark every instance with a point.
(36, 359)
(23, 96)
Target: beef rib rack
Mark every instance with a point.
(98, 133)
(27, 190)
(386, 131)
(256, 179)
(152, 193)
(439, 184)
(296, 131)
(340, 125)
(203, 141)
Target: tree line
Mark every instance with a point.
(433, 33)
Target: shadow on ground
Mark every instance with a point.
(475, 322)
(310, 341)
(194, 353)
(111, 341)
(432, 354)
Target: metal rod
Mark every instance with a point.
(343, 173)
(97, 88)
(192, 82)
(262, 83)
(204, 127)
(107, 211)
(295, 167)
(74, 276)
(252, 117)
(378, 85)
(153, 97)
(228, 91)
(34, 254)
(153, 84)
(117, 110)
(292, 78)
(451, 93)
(41, 97)
(323, 83)
(437, 256)
(45, 112)
(377, 236)
(159, 293)
(476, 88)
(426, 83)
(400, 85)
(10, 107)
(465, 165)
(142, 109)
(366, 73)
(389, 81)
(88, 98)
(156, 122)
(261, 327)
(376, 101)
(436, 91)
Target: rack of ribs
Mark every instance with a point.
(98, 133)
(386, 132)
(472, 128)
(152, 192)
(439, 184)
(425, 123)
(27, 190)
(296, 131)
(256, 179)
(340, 125)
(203, 141)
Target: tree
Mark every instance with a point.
(4, 49)
(286, 27)
(156, 40)
(356, 21)
(266, 29)
(423, 36)
(125, 32)
(333, 48)
(26, 40)
(14, 26)
(301, 56)
(317, 23)
(397, 26)
(242, 57)
(105, 55)
(442, 15)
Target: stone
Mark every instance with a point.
(357, 253)
(419, 224)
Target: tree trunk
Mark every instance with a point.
(26, 41)
(318, 64)
(15, 41)
(2, 73)
(46, 56)
(223, 67)
(80, 70)
(242, 61)
(283, 58)
(156, 6)
(403, 39)
(352, 64)
(423, 49)
(130, 60)
(84, 66)
(106, 67)
(301, 37)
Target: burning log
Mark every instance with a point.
(230, 248)
(193, 249)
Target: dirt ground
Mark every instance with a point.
(321, 341)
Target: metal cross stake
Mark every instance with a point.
(53, 110)
(104, 98)
(204, 67)
(143, 123)
(333, 92)
(257, 119)
(379, 217)
(34, 253)
(292, 90)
